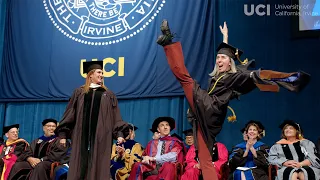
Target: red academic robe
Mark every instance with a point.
(11, 152)
(167, 170)
(192, 173)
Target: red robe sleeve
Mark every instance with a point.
(179, 148)
(223, 157)
(151, 148)
(190, 161)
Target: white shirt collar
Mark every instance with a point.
(93, 85)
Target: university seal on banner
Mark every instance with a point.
(101, 22)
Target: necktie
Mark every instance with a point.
(163, 147)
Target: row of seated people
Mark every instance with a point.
(21, 160)
(167, 157)
(293, 156)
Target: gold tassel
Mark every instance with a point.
(242, 62)
(300, 136)
(232, 118)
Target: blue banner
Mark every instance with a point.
(46, 42)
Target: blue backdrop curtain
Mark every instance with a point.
(2, 25)
(140, 112)
(265, 38)
(2, 113)
(271, 109)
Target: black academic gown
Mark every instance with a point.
(61, 170)
(211, 109)
(91, 120)
(260, 162)
(48, 149)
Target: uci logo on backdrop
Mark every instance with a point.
(102, 22)
(260, 10)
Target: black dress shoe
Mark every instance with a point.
(166, 37)
(164, 40)
(165, 28)
(302, 81)
(297, 85)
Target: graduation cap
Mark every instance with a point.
(230, 51)
(291, 123)
(90, 65)
(44, 122)
(188, 132)
(133, 127)
(7, 128)
(294, 124)
(157, 121)
(257, 123)
(177, 136)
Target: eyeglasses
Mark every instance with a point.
(14, 132)
(51, 126)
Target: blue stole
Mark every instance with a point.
(249, 163)
(44, 138)
(61, 171)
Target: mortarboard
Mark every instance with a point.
(188, 132)
(7, 128)
(157, 121)
(133, 127)
(90, 65)
(258, 123)
(44, 122)
(291, 123)
(229, 50)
